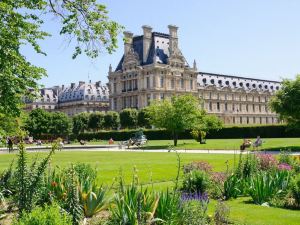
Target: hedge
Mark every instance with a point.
(270, 131)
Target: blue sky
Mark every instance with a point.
(252, 38)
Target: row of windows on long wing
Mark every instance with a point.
(234, 83)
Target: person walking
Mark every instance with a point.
(10, 145)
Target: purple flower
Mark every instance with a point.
(194, 196)
(284, 166)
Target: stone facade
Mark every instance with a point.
(237, 100)
(152, 67)
(74, 99)
(47, 99)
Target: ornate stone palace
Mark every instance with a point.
(153, 67)
(76, 98)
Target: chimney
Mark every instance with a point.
(81, 83)
(72, 85)
(146, 41)
(173, 38)
(62, 87)
(127, 42)
(98, 83)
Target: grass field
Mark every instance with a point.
(160, 168)
(268, 144)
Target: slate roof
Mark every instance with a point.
(158, 52)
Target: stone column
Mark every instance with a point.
(128, 42)
(146, 41)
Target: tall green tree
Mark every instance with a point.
(205, 124)
(96, 121)
(128, 118)
(84, 22)
(41, 123)
(80, 123)
(177, 114)
(60, 125)
(112, 120)
(286, 102)
(143, 118)
(38, 123)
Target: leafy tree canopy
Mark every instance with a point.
(286, 102)
(83, 21)
(41, 123)
(178, 114)
(96, 121)
(80, 122)
(112, 120)
(128, 118)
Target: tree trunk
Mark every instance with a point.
(175, 136)
(200, 139)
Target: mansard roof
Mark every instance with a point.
(158, 52)
(237, 82)
(83, 91)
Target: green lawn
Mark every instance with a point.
(229, 144)
(156, 166)
(268, 144)
(161, 169)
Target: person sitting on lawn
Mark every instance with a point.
(257, 143)
(82, 142)
(111, 141)
(246, 144)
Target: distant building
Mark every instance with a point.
(152, 67)
(238, 100)
(83, 97)
(47, 99)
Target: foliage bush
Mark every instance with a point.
(50, 215)
(221, 215)
(161, 134)
(264, 186)
(193, 209)
(266, 161)
(196, 181)
(129, 118)
(197, 165)
(29, 179)
(295, 190)
(232, 187)
(167, 207)
(133, 206)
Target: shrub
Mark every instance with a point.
(197, 165)
(133, 206)
(247, 166)
(285, 157)
(217, 187)
(44, 215)
(295, 190)
(264, 186)
(267, 161)
(193, 210)
(232, 187)
(29, 179)
(196, 181)
(167, 207)
(129, 118)
(221, 215)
